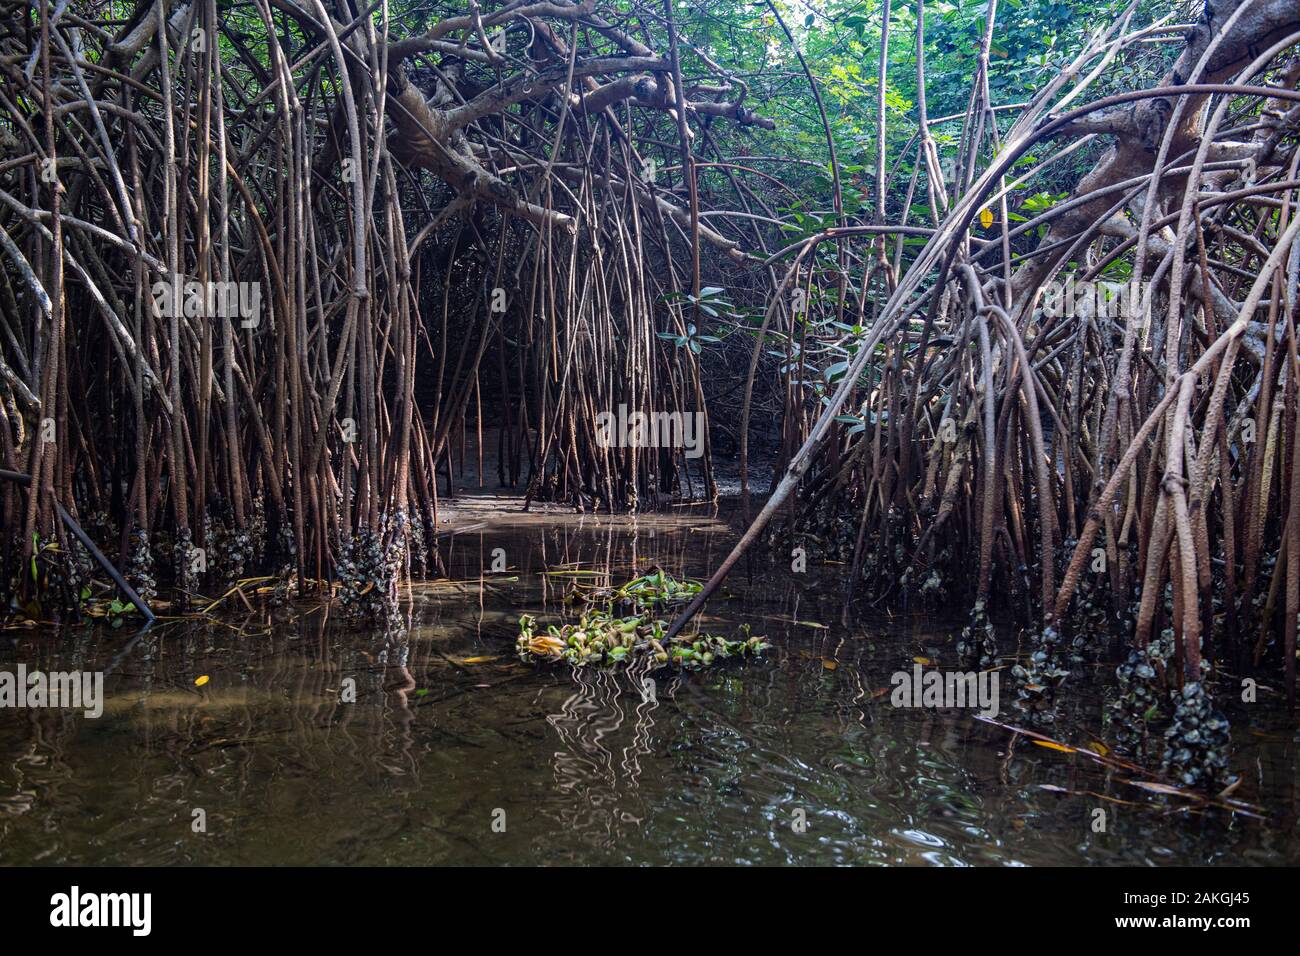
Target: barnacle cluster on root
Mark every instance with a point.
(357, 568)
(187, 573)
(927, 584)
(1037, 683)
(368, 568)
(55, 582)
(77, 570)
(1196, 744)
(229, 548)
(603, 637)
(1091, 617)
(257, 526)
(139, 566)
(1141, 694)
(419, 545)
(977, 639)
(828, 528)
(286, 579)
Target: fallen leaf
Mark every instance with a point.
(481, 660)
(922, 660)
(543, 645)
(830, 665)
(1052, 745)
(200, 681)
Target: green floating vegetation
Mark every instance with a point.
(602, 637)
(657, 589)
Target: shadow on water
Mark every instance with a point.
(455, 752)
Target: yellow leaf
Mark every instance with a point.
(200, 681)
(830, 665)
(1099, 748)
(480, 660)
(1050, 745)
(543, 645)
(986, 217)
(922, 660)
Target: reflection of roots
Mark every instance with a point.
(585, 768)
(640, 745)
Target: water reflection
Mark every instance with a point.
(601, 779)
(447, 728)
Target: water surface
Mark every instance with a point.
(456, 753)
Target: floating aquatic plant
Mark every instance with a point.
(657, 589)
(603, 637)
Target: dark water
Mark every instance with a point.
(718, 768)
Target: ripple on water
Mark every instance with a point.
(785, 762)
